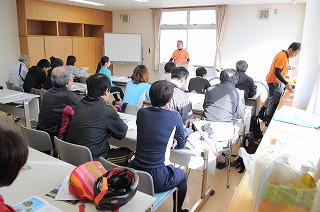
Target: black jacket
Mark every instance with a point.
(198, 84)
(246, 84)
(34, 79)
(93, 123)
(51, 108)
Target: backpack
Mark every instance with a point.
(255, 127)
(250, 143)
(82, 179)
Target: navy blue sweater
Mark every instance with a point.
(156, 128)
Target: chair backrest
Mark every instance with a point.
(72, 153)
(9, 85)
(261, 88)
(39, 140)
(18, 88)
(214, 81)
(131, 109)
(41, 92)
(83, 79)
(145, 187)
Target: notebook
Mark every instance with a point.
(83, 70)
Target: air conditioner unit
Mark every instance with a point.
(264, 14)
(125, 18)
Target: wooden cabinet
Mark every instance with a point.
(51, 29)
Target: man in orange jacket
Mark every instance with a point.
(180, 55)
(276, 81)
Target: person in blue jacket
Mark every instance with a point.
(103, 68)
(159, 130)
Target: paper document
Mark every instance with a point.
(83, 70)
(35, 204)
(297, 116)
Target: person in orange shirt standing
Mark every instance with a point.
(276, 81)
(180, 55)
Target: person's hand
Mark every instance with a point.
(174, 144)
(288, 87)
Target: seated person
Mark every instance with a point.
(245, 82)
(224, 102)
(137, 90)
(19, 71)
(103, 67)
(159, 130)
(36, 76)
(70, 65)
(167, 71)
(55, 62)
(180, 101)
(13, 155)
(199, 84)
(94, 122)
(55, 100)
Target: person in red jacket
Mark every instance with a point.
(13, 155)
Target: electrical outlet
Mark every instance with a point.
(275, 11)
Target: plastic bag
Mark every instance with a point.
(282, 188)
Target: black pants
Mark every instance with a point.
(120, 156)
(115, 96)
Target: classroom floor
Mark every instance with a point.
(218, 202)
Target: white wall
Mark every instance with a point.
(246, 37)
(140, 22)
(9, 39)
(258, 41)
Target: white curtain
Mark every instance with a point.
(156, 15)
(221, 13)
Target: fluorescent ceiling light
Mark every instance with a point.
(88, 2)
(141, 0)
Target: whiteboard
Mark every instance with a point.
(123, 48)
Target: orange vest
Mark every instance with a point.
(281, 61)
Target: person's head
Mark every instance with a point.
(98, 85)
(55, 62)
(169, 67)
(71, 60)
(201, 72)
(179, 44)
(294, 49)
(25, 59)
(44, 64)
(140, 74)
(180, 74)
(104, 61)
(229, 75)
(242, 66)
(161, 93)
(13, 155)
(61, 77)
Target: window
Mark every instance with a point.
(196, 28)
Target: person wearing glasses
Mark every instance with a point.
(276, 81)
(180, 55)
(19, 70)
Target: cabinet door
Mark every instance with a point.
(40, 10)
(36, 49)
(59, 47)
(84, 50)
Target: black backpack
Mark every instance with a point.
(255, 127)
(250, 143)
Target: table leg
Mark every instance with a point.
(205, 192)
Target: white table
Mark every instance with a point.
(47, 173)
(183, 157)
(29, 107)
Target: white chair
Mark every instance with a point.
(261, 88)
(131, 109)
(18, 88)
(214, 81)
(145, 185)
(9, 85)
(37, 139)
(72, 153)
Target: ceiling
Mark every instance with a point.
(122, 5)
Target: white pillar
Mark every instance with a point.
(309, 57)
